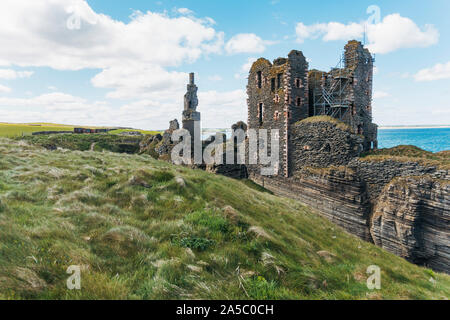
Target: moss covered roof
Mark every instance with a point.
(328, 119)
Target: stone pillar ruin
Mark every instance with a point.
(191, 118)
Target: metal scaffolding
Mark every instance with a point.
(330, 97)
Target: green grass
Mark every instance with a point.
(10, 130)
(338, 123)
(85, 142)
(412, 154)
(145, 229)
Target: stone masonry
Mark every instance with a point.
(282, 93)
(191, 118)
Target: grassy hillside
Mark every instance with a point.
(144, 229)
(84, 142)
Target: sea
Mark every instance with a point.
(430, 139)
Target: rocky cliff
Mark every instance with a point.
(409, 217)
(397, 198)
(337, 193)
(412, 218)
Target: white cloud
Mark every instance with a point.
(10, 74)
(152, 38)
(218, 109)
(4, 89)
(185, 11)
(50, 101)
(133, 59)
(53, 88)
(329, 31)
(64, 108)
(245, 69)
(438, 72)
(380, 94)
(246, 43)
(397, 32)
(141, 81)
(392, 33)
(222, 109)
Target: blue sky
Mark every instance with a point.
(125, 63)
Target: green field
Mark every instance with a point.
(10, 130)
(84, 142)
(145, 229)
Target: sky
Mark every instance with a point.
(126, 63)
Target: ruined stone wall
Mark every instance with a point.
(165, 144)
(346, 92)
(297, 102)
(282, 91)
(297, 86)
(322, 144)
(359, 62)
(266, 100)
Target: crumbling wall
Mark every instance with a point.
(322, 144)
(165, 146)
(266, 101)
(360, 62)
(346, 92)
(277, 98)
(283, 92)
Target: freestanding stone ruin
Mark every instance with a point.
(191, 118)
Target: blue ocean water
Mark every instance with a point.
(432, 139)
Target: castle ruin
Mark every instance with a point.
(324, 121)
(282, 93)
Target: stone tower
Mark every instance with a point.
(278, 97)
(345, 92)
(190, 113)
(191, 118)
